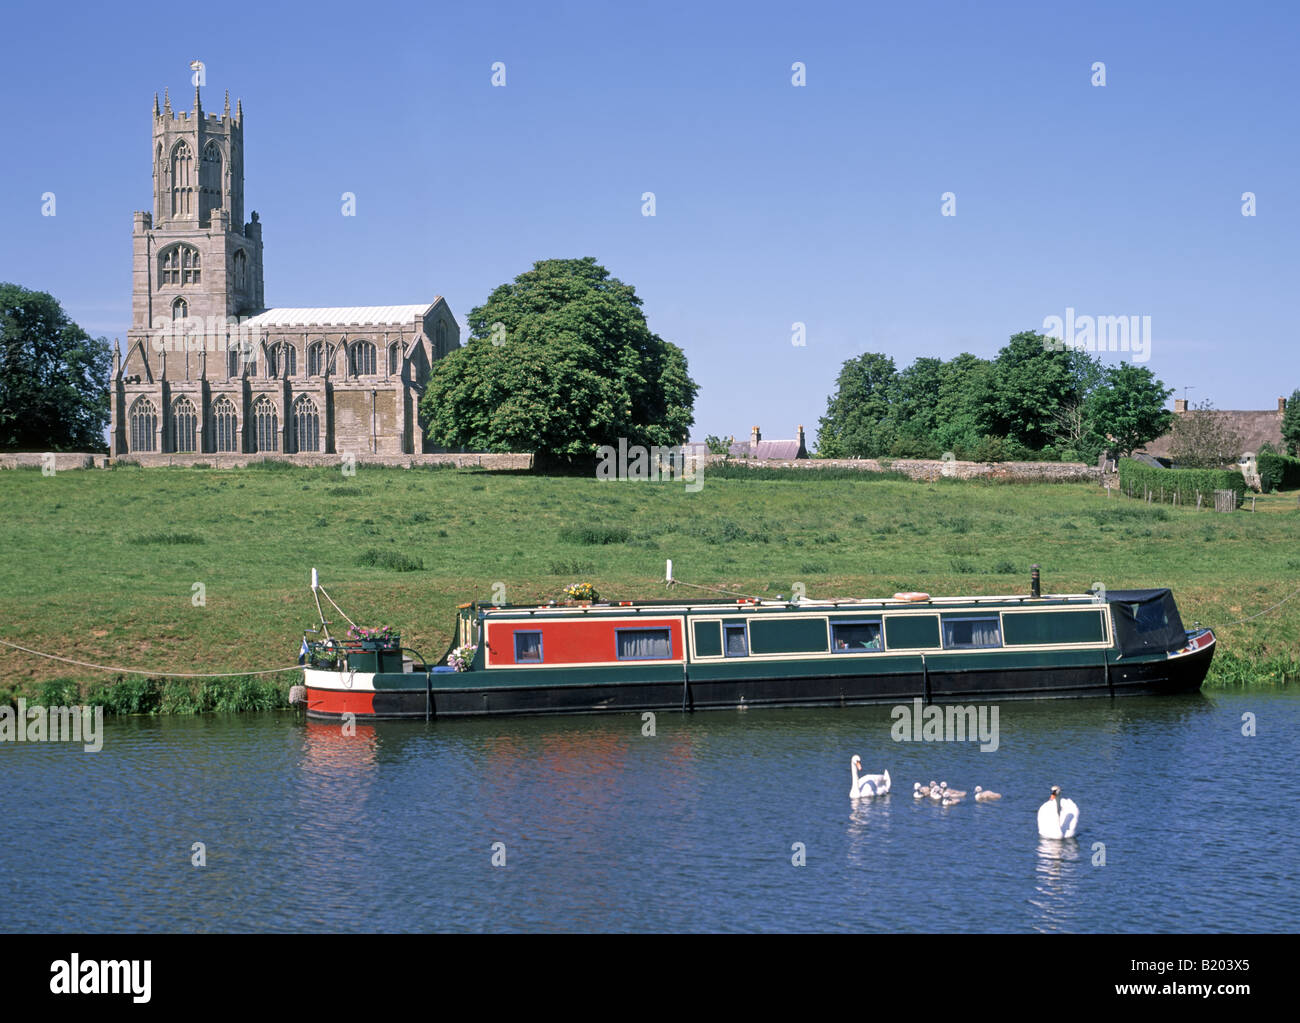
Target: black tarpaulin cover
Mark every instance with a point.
(1146, 621)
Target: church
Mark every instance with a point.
(210, 369)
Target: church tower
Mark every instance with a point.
(193, 254)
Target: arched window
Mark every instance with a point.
(363, 358)
(306, 425)
(144, 424)
(210, 175)
(282, 358)
(180, 309)
(182, 180)
(225, 425)
(185, 423)
(394, 359)
(266, 425)
(179, 265)
(316, 359)
(240, 351)
(241, 270)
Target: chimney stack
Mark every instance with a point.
(1281, 404)
(754, 435)
(1180, 404)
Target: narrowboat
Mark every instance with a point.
(695, 655)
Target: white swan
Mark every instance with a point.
(955, 793)
(1058, 817)
(983, 795)
(950, 801)
(935, 793)
(868, 784)
(919, 791)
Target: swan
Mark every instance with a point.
(955, 793)
(868, 784)
(919, 791)
(982, 795)
(1058, 817)
(935, 793)
(950, 801)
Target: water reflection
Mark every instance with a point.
(1056, 884)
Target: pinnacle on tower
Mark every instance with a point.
(198, 108)
(227, 111)
(155, 104)
(239, 110)
(167, 100)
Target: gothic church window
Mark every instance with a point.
(241, 270)
(281, 359)
(316, 359)
(210, 174)
(306, 425)
(180, 265)
(184, 425)
(180, 309)
(363, 358)
(225, 425)
(394, 359)
(144, 422)
(182, 180)
(266, 425)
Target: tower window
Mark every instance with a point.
(241, 270)
(180, 309)
(182, 180)
(179, 265)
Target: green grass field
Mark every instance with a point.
(101, 566)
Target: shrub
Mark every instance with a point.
(1137, 480)
(167, 538)
(595, 536)
(394, 561)
(1278, 472)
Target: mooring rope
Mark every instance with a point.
(715, 589)
(145, 671)
(1264, 612)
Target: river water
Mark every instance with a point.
(595, 826)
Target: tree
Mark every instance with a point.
(1035, 376)
(560, 362)
(53, 376)
(965, 408)
(1128, 408)
(1291, 424)
(857, 421)
(718, 445)
(1204, 438)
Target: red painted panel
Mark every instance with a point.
(340, 701)
(577, 640)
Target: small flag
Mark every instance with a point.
(302, 654)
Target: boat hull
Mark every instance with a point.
(331, 694)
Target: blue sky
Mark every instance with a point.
(774, 204)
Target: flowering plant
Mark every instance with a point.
(461, 657)
(385, 634)
(580, 591)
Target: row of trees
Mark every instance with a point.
(1036, 398)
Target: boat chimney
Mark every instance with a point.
(1035, 587)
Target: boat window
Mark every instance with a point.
(1027, 628)
(737, 645)
(528, 647)
(855, 637)
(644, 644)
(708, 639)
(971, 632)
(912, 632)
(788, 635)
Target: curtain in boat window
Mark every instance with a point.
(528, 646)
(958, 632)
(643, 644)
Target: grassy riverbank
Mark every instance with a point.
(109, 566)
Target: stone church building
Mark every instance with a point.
(210, 369)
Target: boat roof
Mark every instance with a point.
(752, 603)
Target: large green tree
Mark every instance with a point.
(560, 362)
(53, 376)
(1291, 424)
(1204, 438)
(1128, 407)
(858, 421)
(1036, 378)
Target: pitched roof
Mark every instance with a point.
(766, 449)
(340, 316)
(1255, 427)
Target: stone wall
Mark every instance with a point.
(930, 470)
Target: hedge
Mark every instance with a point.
(1137, 480)
(1278, 472)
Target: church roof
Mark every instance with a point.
(339, 316)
